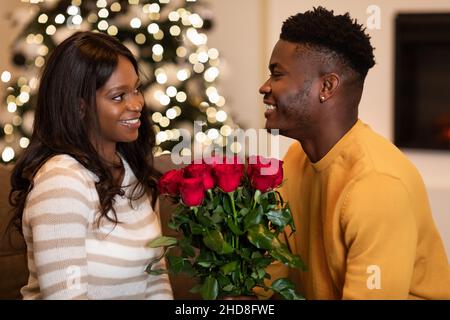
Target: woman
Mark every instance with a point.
(84, 189)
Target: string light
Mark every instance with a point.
(6, 76)
(202, 63)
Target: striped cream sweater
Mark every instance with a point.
(69, 257)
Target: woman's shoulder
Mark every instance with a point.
(64, 165)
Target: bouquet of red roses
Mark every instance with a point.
(230, 216)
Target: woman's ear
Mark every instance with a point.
(330, 84)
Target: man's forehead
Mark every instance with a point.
(285, 52)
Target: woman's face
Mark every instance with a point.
(119, 105)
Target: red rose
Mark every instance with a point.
(265, 174)
(192, 191)
(200, 170)
(228, 175)
(169, 183)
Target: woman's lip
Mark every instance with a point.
(131, 125)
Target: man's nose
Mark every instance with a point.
(265, 88)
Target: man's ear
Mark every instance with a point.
(330, 84)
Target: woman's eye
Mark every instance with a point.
(118, 97)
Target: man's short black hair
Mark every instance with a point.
(338, 33)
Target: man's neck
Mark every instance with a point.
(320, 142)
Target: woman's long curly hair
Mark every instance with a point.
(75, 70)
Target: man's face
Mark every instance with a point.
(288, 91)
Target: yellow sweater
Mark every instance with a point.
(364, 225)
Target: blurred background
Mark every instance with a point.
(406, 96)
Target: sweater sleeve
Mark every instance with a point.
(56, 217)
(159, 287)
(380, 235)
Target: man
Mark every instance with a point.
(364, 226)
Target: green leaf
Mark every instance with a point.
(156, 272)
(233, 227)
(196, 289)
(196, 228)
(229, 267)
(228, 287)
(210, 288)
(282, 253)
(261, 237)
(227, 205)
(217, 218)
(254, 217)
(286, 289)
(213, 239)
(243, 212)
(176, 264)
(279, 217)
(162, 241)
(186, 247)
(205, 264)
(249, 283)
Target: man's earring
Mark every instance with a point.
(322, 99)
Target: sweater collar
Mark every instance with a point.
(337, 148)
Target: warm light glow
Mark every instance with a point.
(6, 76)
(202, 57)
(171, 91)
(171, 114)
(183, 74)
(164, 122)
(156, 116)
(213, 53)
(225, 130)
(195, 20)
(153, 28)
(102, 25)
(59, 19)
(50, 30)
(8, 154)
(73, 10)
(211, 74)
(140, 38)
(181, 96)
(39, 62)
(101, 4)
(158, 49)
(164, 100)
(221, 116)
(112, 30)
(43, 18)
(175, 30)
(8, 128)
(198, 68)
(135, 23)
(213, 134)
(115, 7)
(174, 16)
(181, 52)
(103, 13)
(24, 142)
(77, 20)
(12, 107)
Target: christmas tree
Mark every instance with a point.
(167, 37)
